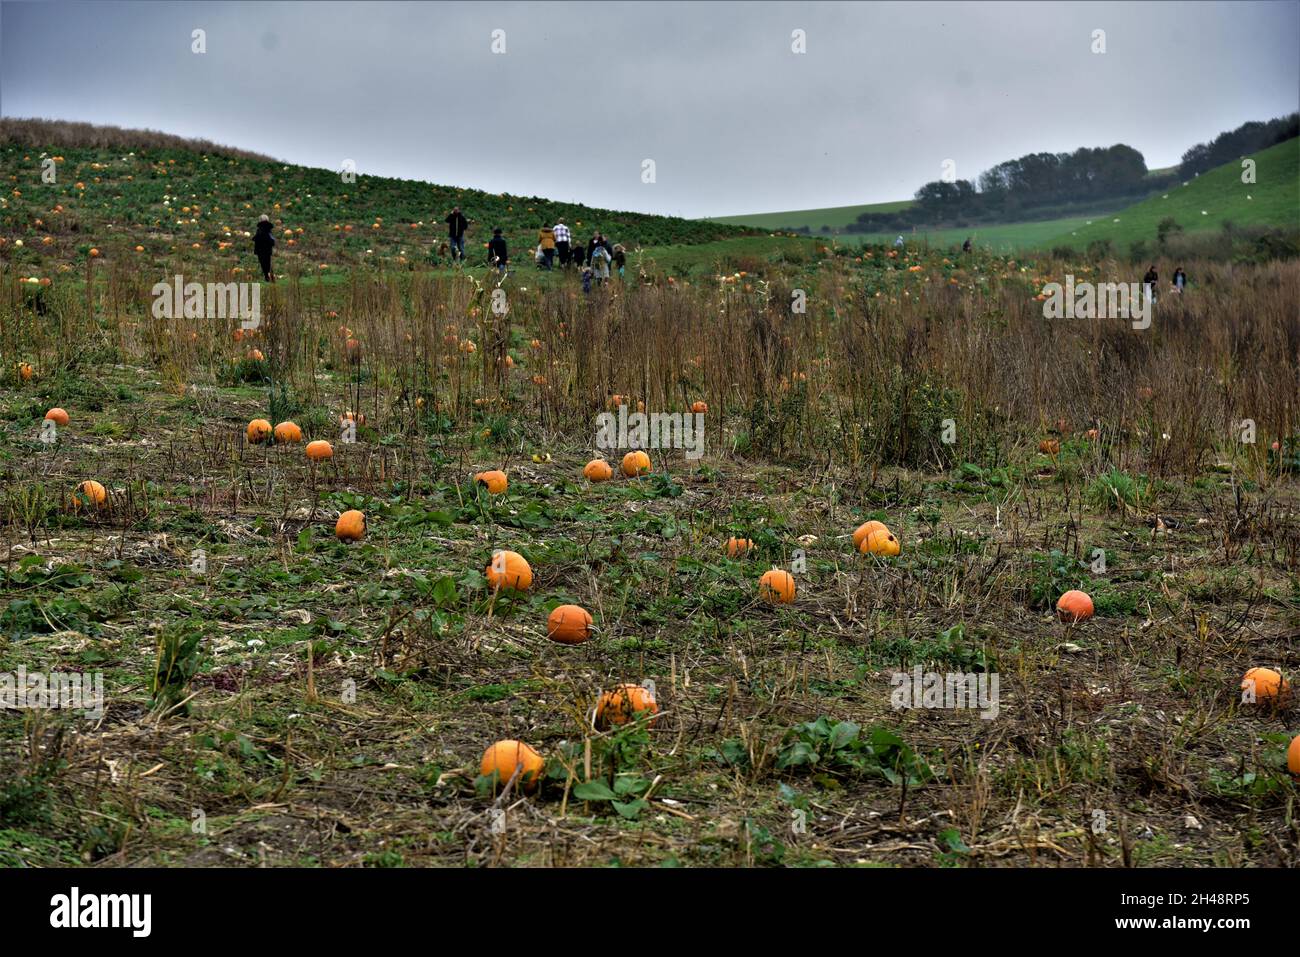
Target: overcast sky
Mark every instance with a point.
(733, 119)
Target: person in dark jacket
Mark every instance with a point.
(497, 250)
(456, 226)
(263, 243)
(620, 258)
(1180, 279)
(1150, 281)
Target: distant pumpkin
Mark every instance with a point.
(569, 625)
(509, 757)
(1074, 606)
(636, 463)
(1266, 684)
(1293, 756)
(597, 470)
(777, 586)
(259, 430)
(92, 491)
(25, 371)
(700, 407)
(1049, 447)
(880, 541)
(57, 416)
(495, 480)
(509, 570)
(624, 704)
(319, 451)
(287, 432)
(351, 526)
(736, 547)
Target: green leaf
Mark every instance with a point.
(593, 791)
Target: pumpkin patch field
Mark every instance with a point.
(951, 584)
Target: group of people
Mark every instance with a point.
(597, 260)
(1151, 282)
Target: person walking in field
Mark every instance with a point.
(619, 258)
(965, 247)
(600, 260)
(456, 226)
(546, 240)
(562, 237)
(497, 252)
(263, 244)
(1180, 280)
(1150, 281)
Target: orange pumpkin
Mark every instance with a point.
(615, 401)
(57, 416)
(737, 547)
(880, 541)
(636, 463)
(1266, 683)
(25, 371)
(597, 470)
(319, 451)
(1049, 447)
(569, 625)
(624, 704)
(287, 432)
(92, 491)
(1293, 756)
(508, 757)
(1091, 435)
(495, 480)
(700, 407)
(866, 528)
(255, 355)
(509, 570)
(1074, 606)
(777, 586)
(259, 430)
(359, 418)
(351, 526)
(353, 347)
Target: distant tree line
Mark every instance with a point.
(1049, 185)
(1246, 139)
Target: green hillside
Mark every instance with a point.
(1207, 202)
(174, 201)
(999, 237)
(833, 217)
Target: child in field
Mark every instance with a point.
(620, 258)
(586, 279)
(600, 260)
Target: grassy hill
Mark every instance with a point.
(1207, 202)
(121, 189)
(833, 217)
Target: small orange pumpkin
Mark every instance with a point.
(358, 417)
(25, 371)
(569, 625)
(351, 526)
(495, 480)
(1266, 683)
(288, 432)
(625, 703)
(508, 757)
(1293, 756)
(93, 491)
(636, 463)
(597, 470)
(255, 355)
(737, 547)
(700, 407)
(319, 451)
(259, 430)
(880, 541)
(1049, 447)
(57, 416)
(1074, 606)
(777, 586)
(509, 570)
(866, 528)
